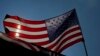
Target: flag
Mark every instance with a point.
(13, 47)
(55, 34)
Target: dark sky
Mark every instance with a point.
(88, 12)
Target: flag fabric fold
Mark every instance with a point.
(13, 47)
(55, 34)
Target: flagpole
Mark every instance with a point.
(85, 47)
(82, 35)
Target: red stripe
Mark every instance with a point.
(68, 38)
(41, 43)
(74, 29)
(24, 27)
(32, 22)
(13, 17)
(33, 36)
(12, 34)
(70, 44)
(69, 31)
(26, 21)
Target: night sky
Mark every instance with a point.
(88, 12)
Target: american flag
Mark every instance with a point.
(56, 34)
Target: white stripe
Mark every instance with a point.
(34, 40)
(69, 41)
(60, 36)
(27, 32)
(66, 36)
(36, 48)
(25, 24)
(73, 27)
